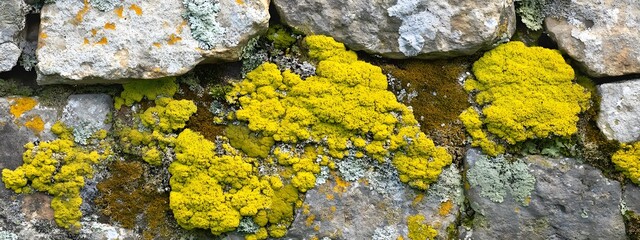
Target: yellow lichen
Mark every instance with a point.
(35, 124)
(173, 39)
(102, 41)
(119, 11)
(150, 89)
(526, 93)
(627, 160)
(110, 26)
(136, 9)
(21, 105)
(418, 229)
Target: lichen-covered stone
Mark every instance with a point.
(602, 36)
(570, 201)
(619, 116)
(87, 114)
(83, 43)
(12, 23)
(404, 28)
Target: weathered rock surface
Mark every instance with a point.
(631, 197)
(619, 116)
(602, 35)
(104, 41)
(339, 209)
(12, 22)
(86, 114)
(569, 201)
(404, 28)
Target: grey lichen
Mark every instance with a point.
(201, 15)
(352, 168)
(531, 13)
(385, 233)
(383, 178)
(253, 54)
(496, 177)
(448, 187)
(247, 225)
(5, 235)
(323, 176)
(105, 5)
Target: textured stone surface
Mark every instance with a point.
(602, 35)
(87, 113)
(137, 39)
(631, 197)
(356, 210)
(404, 28)
(12, 22)
(619, 116)
(570, 201)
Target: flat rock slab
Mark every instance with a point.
(570, 201)
(12, 22)
(603, 36)
(619, 116)
(404, 28)
(339, 209)
(109, 41)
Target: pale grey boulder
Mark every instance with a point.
(619, 116)
(111, 41)
(404, 28)
(12, 24)
(603, 36)
(569, 200)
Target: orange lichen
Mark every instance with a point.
(43, 35)
(155, 44)
(341, 185)
(330, 197)
(94, 32)
(240, 2)
(82, 12)
(445, 208)
(417, 199)
(333, 208)
(86, 41)
(136, 9)
(310, 219)
(173, 39)
(119, 11)
(110, 26)
(22, 105)
(102, 41)
(35, 124)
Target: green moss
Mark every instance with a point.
(59, 168)
(418, 229)
(632, 221)
(13, 88)
(525, 93)
(240, 137)
(151, 89)
(281, 37)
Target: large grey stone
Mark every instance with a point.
(12, 22)
(631, 197)
(603, 36)
(569, 201)
(404, 28)
(96, 42)
(86, 114)
(619, 116)
(376, 207)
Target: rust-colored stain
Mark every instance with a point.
(94, 32)
(80, 15)
(119, 12)
(110, 26)
(155, 44)
(173, 39)
(136, 9)
(86, 41)
(102, 41)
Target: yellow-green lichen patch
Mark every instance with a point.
(419, 229)
(526, 93)
(212, 191)
(281, 37)
(151, 89)
(168, 115)
(627, 160)
(346, 105)
(433, 91)
(131, 201)
(240, 137)
(59, 168)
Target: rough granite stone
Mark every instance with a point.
(404, 28)
(339, 209)
(603, 36)
(619, 116)
(79, 43)
(12, 22)
(570, 201)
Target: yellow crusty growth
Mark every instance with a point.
(58, 168)
(526, 93)
(471, 120)
(418, 229)
(21, 105)
(213, 191)
(346, 105)
(168, 114)
(151, 89)
(627, 159)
